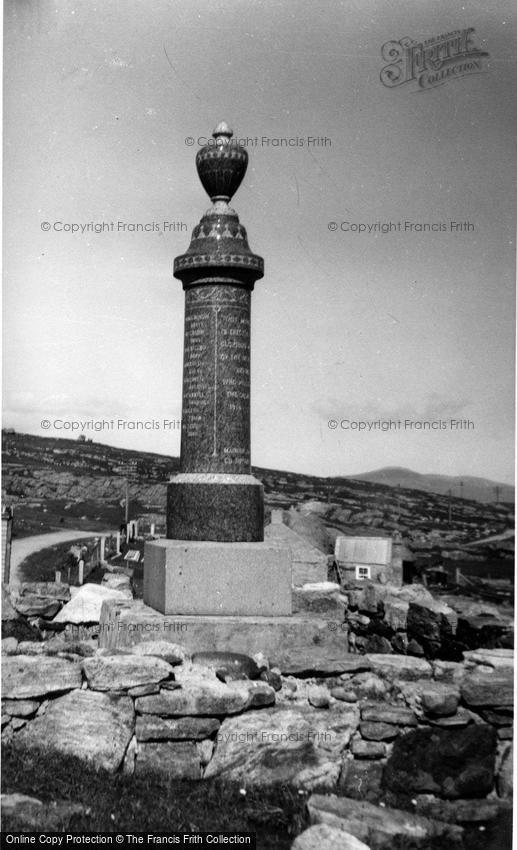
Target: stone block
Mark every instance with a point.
(211, 578)
(296, 645)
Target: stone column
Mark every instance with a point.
(215, 497)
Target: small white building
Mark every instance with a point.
(367, 559)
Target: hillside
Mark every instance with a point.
(56, 483)
(470, 487)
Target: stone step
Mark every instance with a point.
(298, 644)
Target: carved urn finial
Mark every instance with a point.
(221, 165)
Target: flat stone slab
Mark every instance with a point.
(198, 695)
(210, 578)
(384, 713)
(174, 759)
(92, 726)
(396, 667)
(115, 672)
(28, 676)
(296, 644)
(487, 689)
(152, 728)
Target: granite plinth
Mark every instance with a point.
(198, 577)
(215, 507)
(297, 645)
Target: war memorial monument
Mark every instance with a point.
(232, 589)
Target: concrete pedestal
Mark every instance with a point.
(299, 644)
(188, 577)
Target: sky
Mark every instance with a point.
(102, 102)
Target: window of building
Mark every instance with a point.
(362, 572)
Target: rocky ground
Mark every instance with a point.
(394, 748)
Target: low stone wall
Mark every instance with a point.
(410, 620)
(388, 724)
(385, 730)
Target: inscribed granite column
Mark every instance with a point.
(215, 497)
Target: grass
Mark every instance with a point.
(119, 803)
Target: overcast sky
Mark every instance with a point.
(346, 326)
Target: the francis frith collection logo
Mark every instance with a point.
(432, 62)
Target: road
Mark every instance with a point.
(21, 549)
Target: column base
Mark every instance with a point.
(215, 506)
(211, 578)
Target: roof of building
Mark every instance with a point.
(364, 550)
(301, 549)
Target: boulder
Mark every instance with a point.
(361, 780)
(488, 689)
(173, 759)
(372, 731)
(396, 667)
(395, 613)
(34, 606)
(450, 763)
(9, 646)
(431, 623)
(382, 827)
(152, 728)
(343, 694)
(319, 697)
(92, 726)
(448, 671)
(462, 718)
(197, 698)
(119, 672)
(86, 605)
(301, 746)
(28, 676)
(367, 749)
(378, 644)
(369, 686)
(323, 837)
(440, 699)
(259, 694)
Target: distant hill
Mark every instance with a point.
(54, 484)
(477, 489)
